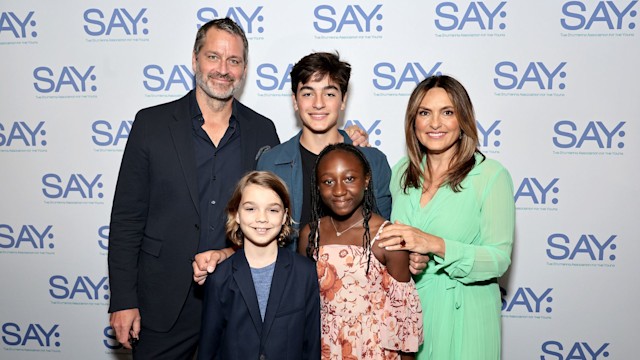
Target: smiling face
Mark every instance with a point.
(436, 124)
(260, 216)
(219, 66)
(342, 182)
(319, 103)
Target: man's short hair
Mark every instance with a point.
(224, 24)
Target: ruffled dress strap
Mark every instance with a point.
(379, 231)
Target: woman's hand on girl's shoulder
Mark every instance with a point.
(399, 236)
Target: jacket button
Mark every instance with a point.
(197, 226)
(263, 357)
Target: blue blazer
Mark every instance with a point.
(232, 328)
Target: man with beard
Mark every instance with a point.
(181, 162)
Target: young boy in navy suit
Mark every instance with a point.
(263, 303)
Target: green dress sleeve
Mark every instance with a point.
(489, 256)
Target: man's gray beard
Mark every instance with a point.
(200, 82)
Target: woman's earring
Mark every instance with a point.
(460, 137)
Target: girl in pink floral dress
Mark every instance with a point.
(369, 304)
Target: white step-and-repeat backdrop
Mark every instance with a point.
(556, 89)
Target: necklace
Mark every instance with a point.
(339, 233)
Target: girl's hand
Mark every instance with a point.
(417, 263)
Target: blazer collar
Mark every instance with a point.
(242, 277)
(182, 136)
(250, 135)
(290, 152)
(280, 278)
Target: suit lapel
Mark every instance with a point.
(248, 139)
(181, 133)
(242, 277)
(280, 278)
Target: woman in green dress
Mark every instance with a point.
(457, 206)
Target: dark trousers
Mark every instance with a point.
(181, 341)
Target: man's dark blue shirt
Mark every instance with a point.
(219, 168)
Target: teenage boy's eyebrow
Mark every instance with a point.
(309, 88)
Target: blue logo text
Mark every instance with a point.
(248, 19)
(561, 247)
(537, 190)
(477, 12)
(579, 16)
(69, 77)
(120, 21)
(12, 23)
(536, 75)
(386, 76)
(329, 19)
(576, 351)
(25, 236)
(80, 288)
(107, 134)
(22, 133)
(487, 132)
(528, 299)
(31, 335)
(159, 79)
(571, 135)
(56, 187)
(270, 78)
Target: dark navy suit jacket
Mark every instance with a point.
(232, 328)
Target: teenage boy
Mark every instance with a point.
(319, 84)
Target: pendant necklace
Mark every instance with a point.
(339, 233)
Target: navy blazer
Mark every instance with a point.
(155, 221)
(232, 328)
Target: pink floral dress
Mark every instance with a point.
(365, 316)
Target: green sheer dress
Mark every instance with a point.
(459, 293)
